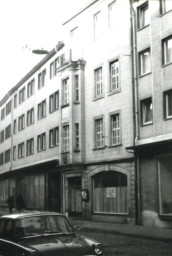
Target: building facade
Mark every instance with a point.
(66, 125)
(153, 69)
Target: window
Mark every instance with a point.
(65, 91)
(53, 67)
(77, 136)
(110, 192)
(2, 136)
(165, 181)
(42, 109)
(99, 137)
(54, 137)
(54, 102)
(15, 126)
(30, 147)
(14, 153)
(15, 101)
(165, 6)
(115, 129)
(21, 150)
(76, 88)
(7, 155)
(2, 113)
(112, 15)
(97, 25)
(30, 116)
(41, 79)
(143, 15)
(8, 108)
(21, 122)
(8, 132)
(73, 33)
(41, 142)
(144, 62)
(98, 82)
(22, 95)
(1, 158)
(146, 111)
(168, 104)
(65, 138)
(114, 76)
(167, 50)
(30, 88)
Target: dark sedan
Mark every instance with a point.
(43, 233)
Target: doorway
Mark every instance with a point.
(54, 192)
(74, 197)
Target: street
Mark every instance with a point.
(117, 244)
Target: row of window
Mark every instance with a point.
(143, 15)
(147, 108)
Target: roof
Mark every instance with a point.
(29, 214)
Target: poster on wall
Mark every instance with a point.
(111, 192)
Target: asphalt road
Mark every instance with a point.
(121, 245)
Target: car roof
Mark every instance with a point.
(29, 214)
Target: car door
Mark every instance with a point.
(8, 248)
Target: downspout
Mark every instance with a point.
(135, 109)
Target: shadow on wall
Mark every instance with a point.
(151, 219)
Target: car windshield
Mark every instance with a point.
(42, 225)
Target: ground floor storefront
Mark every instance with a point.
(154, 171)
(100, 192)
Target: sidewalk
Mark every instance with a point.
(126, 229)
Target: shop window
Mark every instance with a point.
(98, 82)
(110, 192)
(146, 111)
(165, 6)
(167, 50)
(144, 62)
(165, 181)
(114, 76)
(143, 15)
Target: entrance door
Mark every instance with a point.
(54, 192)
(74, 197)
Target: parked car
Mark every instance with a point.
(43, 233)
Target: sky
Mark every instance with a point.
(26, 25)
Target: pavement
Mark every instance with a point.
(125, 229)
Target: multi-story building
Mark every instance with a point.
(153, 85)
(66, 125)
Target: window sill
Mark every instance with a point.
(165, 216)
(98, 98)
(139, 29)
(150, 123)
(114, 146)
(54, 146)
(99, 148)
(140, 76)
(166, 64)
(50, 112)
(64, 105)
(162, 14)
(76, 102)
(114, 92)
(167, 118)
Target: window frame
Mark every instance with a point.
(143, 111)
(30, 147)
(42, 109)
(141, 15)
(22, 95)
(41, 142)
(116, 76)
(41, 79)
(166, 108)
(165, 51)
(54, 137)
(163, 7)
(21, 122)
(111, 130)
(54, 102)
(30, 88)
(142, 62)
(65, 92)
(99, 133)
(21, 150)
(7, 156)
(66, 139)
(98, 82)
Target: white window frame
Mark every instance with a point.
(115, 129)
(98, 76)
(167, 57)
(99, 132)
(143, 62)
(144, 109)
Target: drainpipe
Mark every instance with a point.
(135, 109)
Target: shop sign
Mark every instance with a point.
(111, 192)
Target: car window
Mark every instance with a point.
(2, 225)
(7, 229)
(57, 224)
(27, 226)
